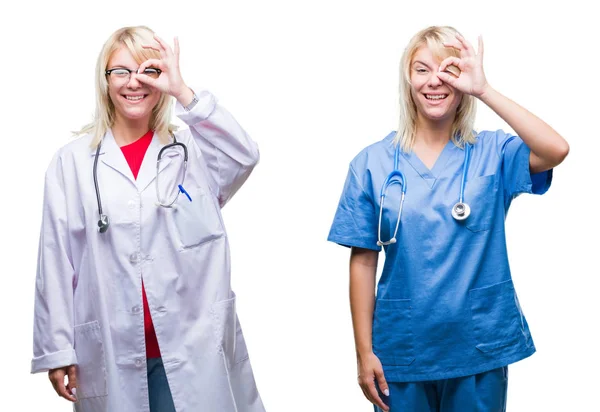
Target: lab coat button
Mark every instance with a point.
(134, 258)
(131, 204)
(139, 362)
(135, 309)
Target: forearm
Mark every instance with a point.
(363, 267)
(53, 340)
(548, 148)
(227, 149)
(184, 95)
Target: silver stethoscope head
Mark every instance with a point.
(103, 224)
(461, 211)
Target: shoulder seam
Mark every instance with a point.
(360, 184)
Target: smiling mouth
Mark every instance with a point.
(134, 98)
(436, 97)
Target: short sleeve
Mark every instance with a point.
(355, 221)
(516, 176)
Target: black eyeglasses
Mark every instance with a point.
(122, 73)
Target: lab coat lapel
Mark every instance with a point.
(148, 171)
(112, 156)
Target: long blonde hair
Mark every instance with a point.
(104, 117)
(462, 128)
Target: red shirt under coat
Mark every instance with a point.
(134, 154)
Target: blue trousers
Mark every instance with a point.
(158, 387)
(484, 392)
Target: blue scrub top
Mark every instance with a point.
(446, 306)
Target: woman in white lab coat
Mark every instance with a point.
(110, 251)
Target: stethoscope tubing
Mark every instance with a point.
(185, 161)
(466, 164)
(460, 210)
(103, 222)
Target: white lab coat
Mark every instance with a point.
(88, 300)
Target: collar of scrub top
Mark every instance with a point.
(104, 221)
(460, 211)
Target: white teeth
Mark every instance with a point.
(436, 96)
(134, 98)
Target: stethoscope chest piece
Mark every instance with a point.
(103, 224)
(461, 211)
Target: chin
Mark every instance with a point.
(136, 114)
(437, 114)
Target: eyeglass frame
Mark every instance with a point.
(109, 71)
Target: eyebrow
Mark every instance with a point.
(420, 62)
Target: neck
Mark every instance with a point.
(433, 133)
(128, 131)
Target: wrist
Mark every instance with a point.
(184, 96)
(362, 353)
(485, 93)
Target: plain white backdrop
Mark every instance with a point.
(313, 82)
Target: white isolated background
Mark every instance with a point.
(314, 82)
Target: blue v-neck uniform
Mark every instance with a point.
(446, 306)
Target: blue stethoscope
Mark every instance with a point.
(460, 211)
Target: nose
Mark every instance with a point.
(434, 80)
(133, 82)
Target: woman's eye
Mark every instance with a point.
(120, 72)
(421, 71)
(152, 72)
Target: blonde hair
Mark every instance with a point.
(434, 38)
(104, 117)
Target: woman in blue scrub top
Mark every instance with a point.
(446, 321)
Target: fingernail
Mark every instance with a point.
(74, 392)
(386, 392)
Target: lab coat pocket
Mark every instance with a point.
(91, 364)
(392, 332)
(497, 319)
(196, 221)
(228, 333)
(480, 195)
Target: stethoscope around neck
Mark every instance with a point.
(460, 210)
(104, 221)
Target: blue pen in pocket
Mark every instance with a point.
(182, 190)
